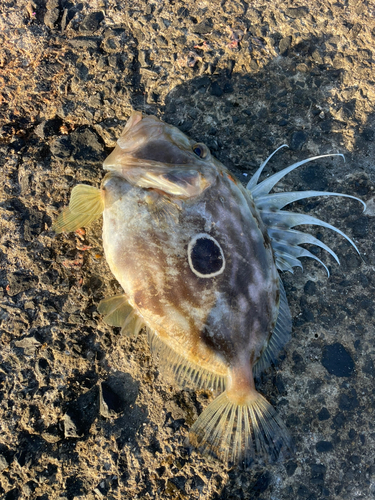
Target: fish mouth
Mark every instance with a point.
(147, 142)
(157, 153)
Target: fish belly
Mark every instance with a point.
(208, 318)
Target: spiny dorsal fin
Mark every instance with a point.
(118, 312)
(279, 223)
(280, 335)
(86, 205)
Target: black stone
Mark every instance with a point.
(368, 366)
(19, 282)
(82, 72)
(204, 27)
(360, 227)
(324, 414)
(197, 483)
(85, 42)
(293, 421)
(216, 90)
(317, 474)
(297, 12)
(324, 446)
(81, 413)
(368, 134)
(48, 128)
(310, 288)
(337, 360)
(284, 45)
(13, 494)
(347, 403)
(352, 434)
(298, 140)
(299, 364)
(314, 385)
(355, 459)
(303, 492)
(74, 487)
(199, 83)
(117, 394)
(61, 147)
(339, 420)
(91, 21)
(86, 145)
(326, 126)
(179, 482)
(290, 468)
(262, 483)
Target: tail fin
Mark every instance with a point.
(241, 433)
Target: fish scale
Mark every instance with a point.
(197, 256)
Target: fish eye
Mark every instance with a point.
(205, 256)
(200, 150)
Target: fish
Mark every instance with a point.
(198, 256)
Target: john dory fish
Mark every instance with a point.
(197, 256)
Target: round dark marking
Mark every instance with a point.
(205, 256)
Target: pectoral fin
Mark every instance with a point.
(118, 312)
(173, 182)
(86, 205)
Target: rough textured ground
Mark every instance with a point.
(84, 413)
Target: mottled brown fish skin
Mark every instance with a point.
(226, 319)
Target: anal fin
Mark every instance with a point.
(182, 370)
(118, 312)
(279, 337)
(86, 205)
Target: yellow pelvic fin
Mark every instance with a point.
(241, 434)
(118, 312)
(86, 205)
(183, 371)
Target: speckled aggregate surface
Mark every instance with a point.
(84, 412)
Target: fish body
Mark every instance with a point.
(197, 256)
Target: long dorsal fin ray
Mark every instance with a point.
(294, 252)
(181, 370)
(118, 312)
(265, 186)
(85, 206)
(279, 223)
(277, 201)
(286, 220)
(293, 238)
(280, 335)
(255, 178)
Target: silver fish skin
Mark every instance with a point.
(199, 269)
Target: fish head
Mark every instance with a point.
(155, 155)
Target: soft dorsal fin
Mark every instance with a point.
(86, 205)
(118, 312)
(280, 335)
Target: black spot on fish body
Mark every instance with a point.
(205, 256)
